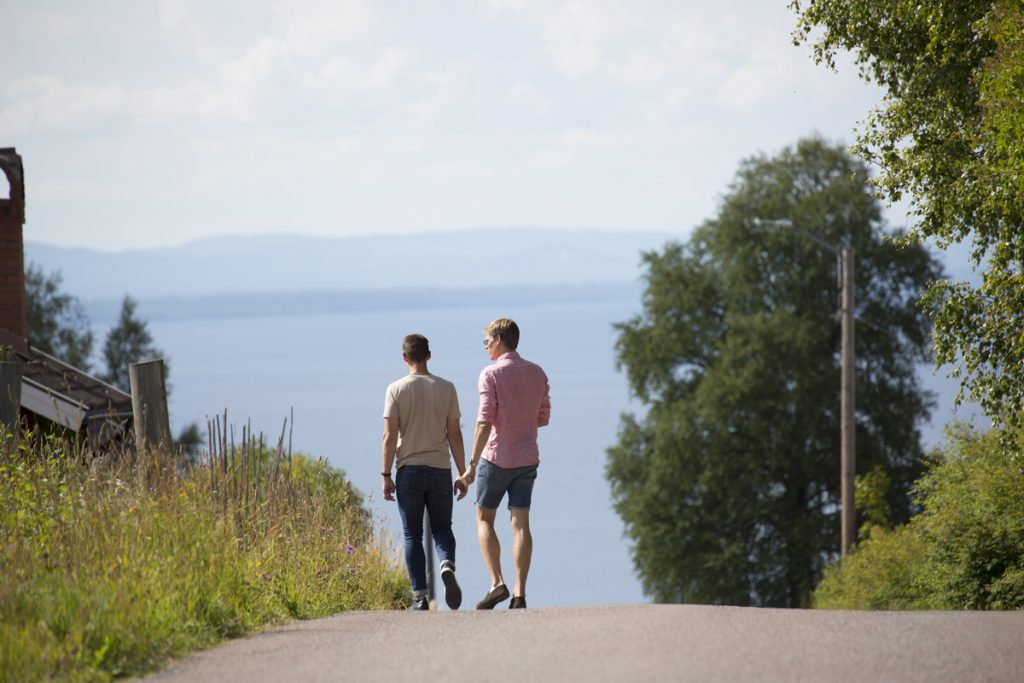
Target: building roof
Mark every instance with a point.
(68, 396)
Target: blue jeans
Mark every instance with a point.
(422, 488)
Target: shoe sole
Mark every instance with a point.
(452, 592)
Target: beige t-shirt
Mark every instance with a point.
(423, 405)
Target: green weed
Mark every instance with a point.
(109, 573)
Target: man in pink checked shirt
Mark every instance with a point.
(514, 403)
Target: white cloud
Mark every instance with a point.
(318, 26)
(439, 88)
(174, 13)
(747, 86)
(576, 33)
(730, 54)
(525, 94)
(63, 189)
(766, 69)
(344, 77)
(399, 100)
(46, 102)
(193, 100)
(642, 67)
(502, 5)
(253, 66)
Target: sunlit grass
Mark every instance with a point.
(109, 573)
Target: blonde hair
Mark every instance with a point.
(506, 330)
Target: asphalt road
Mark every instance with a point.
(631, 643)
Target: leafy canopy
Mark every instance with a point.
(56, 320)
(729, 486)
(949, 135)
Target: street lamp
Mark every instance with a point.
(847, 385)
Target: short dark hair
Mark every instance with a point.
(506, 330)
(416, 348)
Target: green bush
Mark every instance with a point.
(881, 574)
(964, 550)
(109, 574)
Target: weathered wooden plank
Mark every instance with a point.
(149, 406)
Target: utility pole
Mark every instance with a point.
(848, 424)
(847, 384)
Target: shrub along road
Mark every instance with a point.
(640, 642)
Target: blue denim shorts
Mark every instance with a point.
(492, 482)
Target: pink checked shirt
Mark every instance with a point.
(514, 399)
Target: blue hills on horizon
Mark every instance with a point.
(530, 257)
(273, 274)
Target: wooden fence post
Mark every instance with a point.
(149, 407)
(10, 396)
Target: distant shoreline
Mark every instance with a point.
(324, 301)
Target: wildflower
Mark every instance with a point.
(351, 570)
(349, 549)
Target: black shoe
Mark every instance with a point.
(497, 595)
(518, 602)
(421, 605)
(452, 592)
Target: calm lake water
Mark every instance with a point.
(332, 369)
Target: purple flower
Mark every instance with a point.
(349, 549)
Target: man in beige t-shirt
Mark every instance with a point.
(422, 433)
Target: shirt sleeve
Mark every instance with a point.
(390, 403)
(453, 410)
(488, 398)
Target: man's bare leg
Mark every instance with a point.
(522, 548)
(490, 548)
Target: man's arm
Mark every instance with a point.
(390, 446)
(544, 415)
(458, 447)
(480, 437)
(483, 432)
(484, 418)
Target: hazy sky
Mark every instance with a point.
(150, 122)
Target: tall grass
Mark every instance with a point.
(109, 573)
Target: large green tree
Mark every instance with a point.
(56, 320)
(949, 136)
(729, 485)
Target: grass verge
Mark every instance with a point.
(109, 574)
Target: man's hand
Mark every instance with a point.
(388, 488)
(462, 483)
